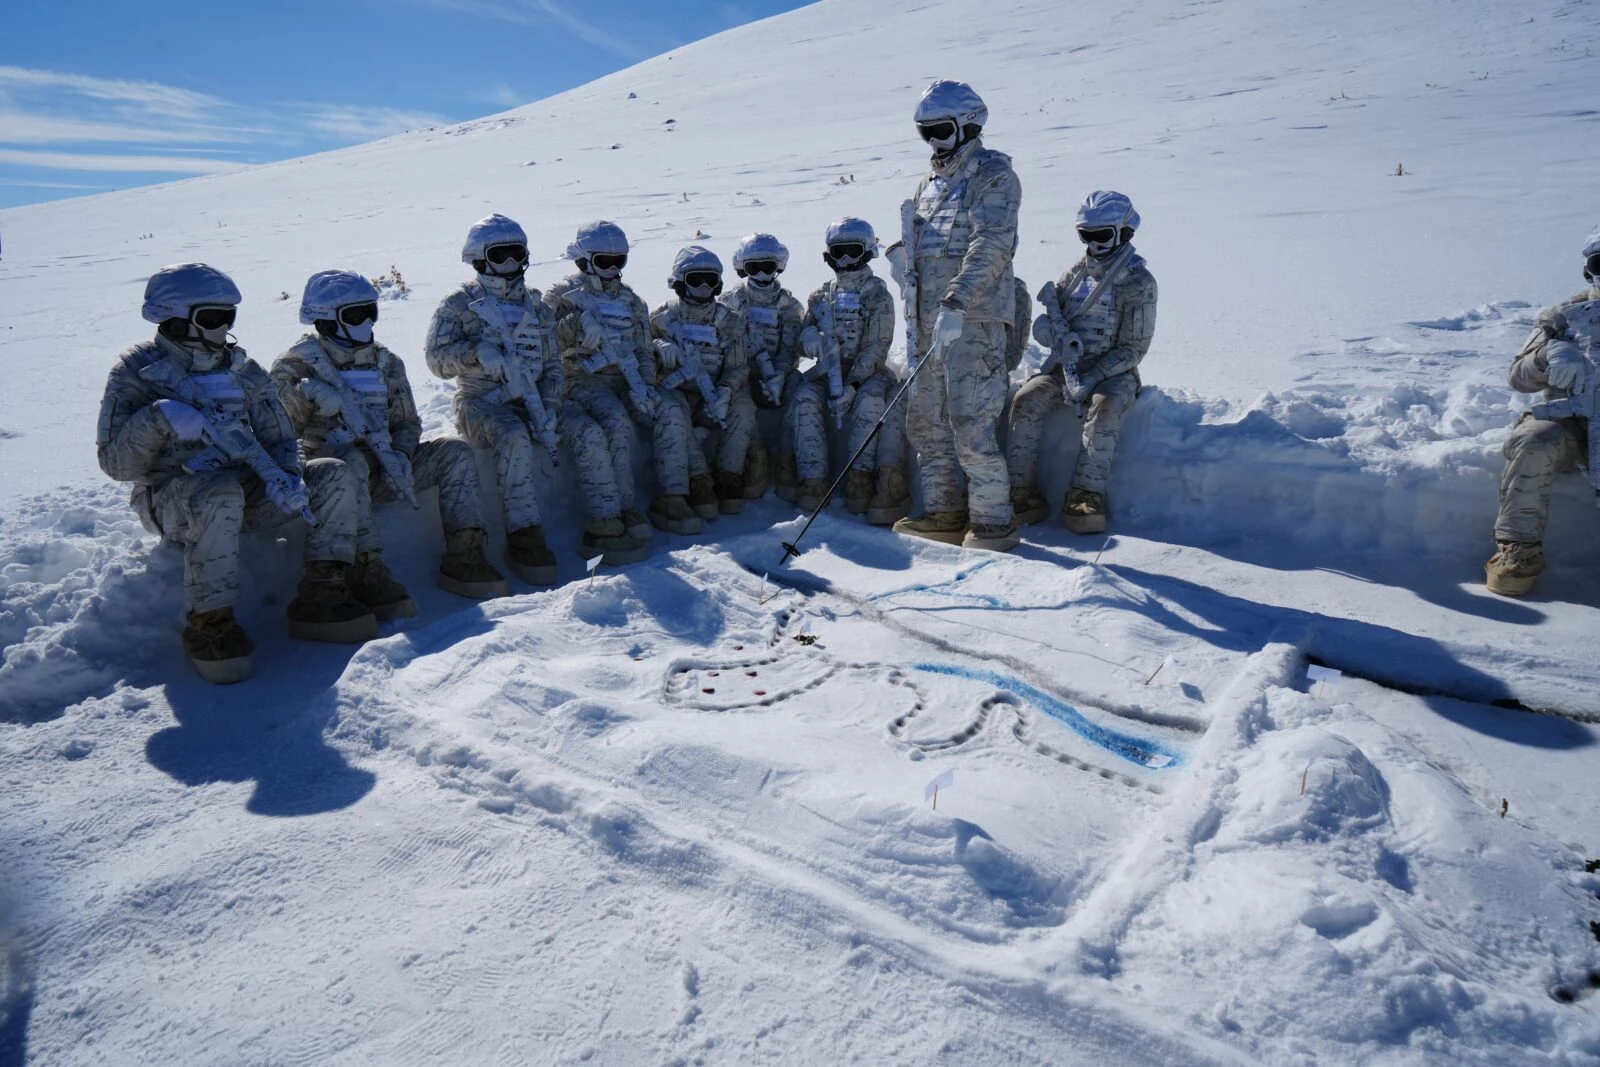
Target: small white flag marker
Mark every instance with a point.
(594, 563)
(1165, 665)
(1322, 676)
(944, 781)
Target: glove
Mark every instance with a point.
(1568, 369)
(283, 489)
(1043, 333)
(669, 355)
(773, 388)
(647, 403)
(718, 407)
(402, 466)
(811, 342)
(947, 327)
(896, 255)
(593, 338)
(186, 423)
(1085, 387)
(839, 406)
(492, 360)
(322, 397)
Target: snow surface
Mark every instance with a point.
(678, 813)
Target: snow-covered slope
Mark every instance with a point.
(637, 820)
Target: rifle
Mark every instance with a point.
(522, 373)
(233, 437)
(831, 359)
(691, 370)
(608, 354)
(906, 271)
(375, 435)
(1061, 322)
(1583, 403)
(769, 376)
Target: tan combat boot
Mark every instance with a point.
(757, 471)
(1001, 538)
(1514, 567)
(858, 489)
(637, 525)
(465, 571)
(703, 496)
(374, 585)
(529, 558)
(1084, 512)
(809, 493)
(892, 501)
(324, 609)
(671, 512)
(1028, 504)
(947, 527)
(218, 646)
(730, 492)
(786, 483)
(610, 540)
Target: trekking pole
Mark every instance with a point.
(792, 548)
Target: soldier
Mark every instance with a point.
(849, 326)
(959, 234)
(772, 322)
(1558, 434)
(1098, 322)
(196, 426)
(701, 367)
(348, 397)
(603, 329)
(496, 338)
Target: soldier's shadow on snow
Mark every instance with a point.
(269, 730)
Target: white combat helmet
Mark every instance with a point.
(174, 292)
(488, 232)
(758, 247)
(695, 259)
(850, 231)
(341, 304)
(1105, 209)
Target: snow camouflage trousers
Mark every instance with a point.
(205, 513)
(598, 432)
(953, 410)
(726, 447)
(445, 463)
(672, 439)
(805, 431)
(1537, 450)
(499, 428)
(1102, 428)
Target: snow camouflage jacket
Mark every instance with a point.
(967, 236)
(1117, 330)
(374, 376)
(772, 323)
(621, 314)
(1580, 315)
(863, 316)
(134, 442)
(458, 331)
(712, 333)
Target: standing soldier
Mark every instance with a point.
(849, 327)
(960, 233)
(701, 367)
(496, 338)
(1556, 435)
(348, 397)
(1098, 322)
(772, 322)
(603, 329)
(196, 426)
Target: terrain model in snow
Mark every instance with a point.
(1099, 319)
(348, 397)
(962, 234)
(772, 322)
(197, 427)
(1557, 435)
(496, 338)
(849, 327)
(699, 349)
(603, 327)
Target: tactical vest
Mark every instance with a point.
(699, 339)
(848, 319)
(946, 205)
(613, 313)
(763, 325)
(1095, 325)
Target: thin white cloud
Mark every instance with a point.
(538, 14)
(152, 97)
(22, 184)
(104, 161)
(588, 31)
(22, 127)
(364, 123)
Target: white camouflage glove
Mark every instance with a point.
(947, 327)
(322, 397)
(281, 488)
(186, 423)
(896, 256)
(1568, 368)
(718, 406)
(811, 342)
(839, 406)
(492, 360)
(773, 387)
(403, 474)
(669, 355)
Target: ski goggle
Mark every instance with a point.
(702, 279)
(853, 250)
(510, 252)
(761, 266)
(356, 314)
(1592, 265)
(1102, 236)
(942, 130)
(214, 317)
(608, 260)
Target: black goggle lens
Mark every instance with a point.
(1098, 237)
(609, 261)
(854, 250)
(1592, 265)
(937, 131)
(761, 266)
(356, 314)
(702, 279)
(218, 318)
(511, 252)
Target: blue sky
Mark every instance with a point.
(103, 95)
